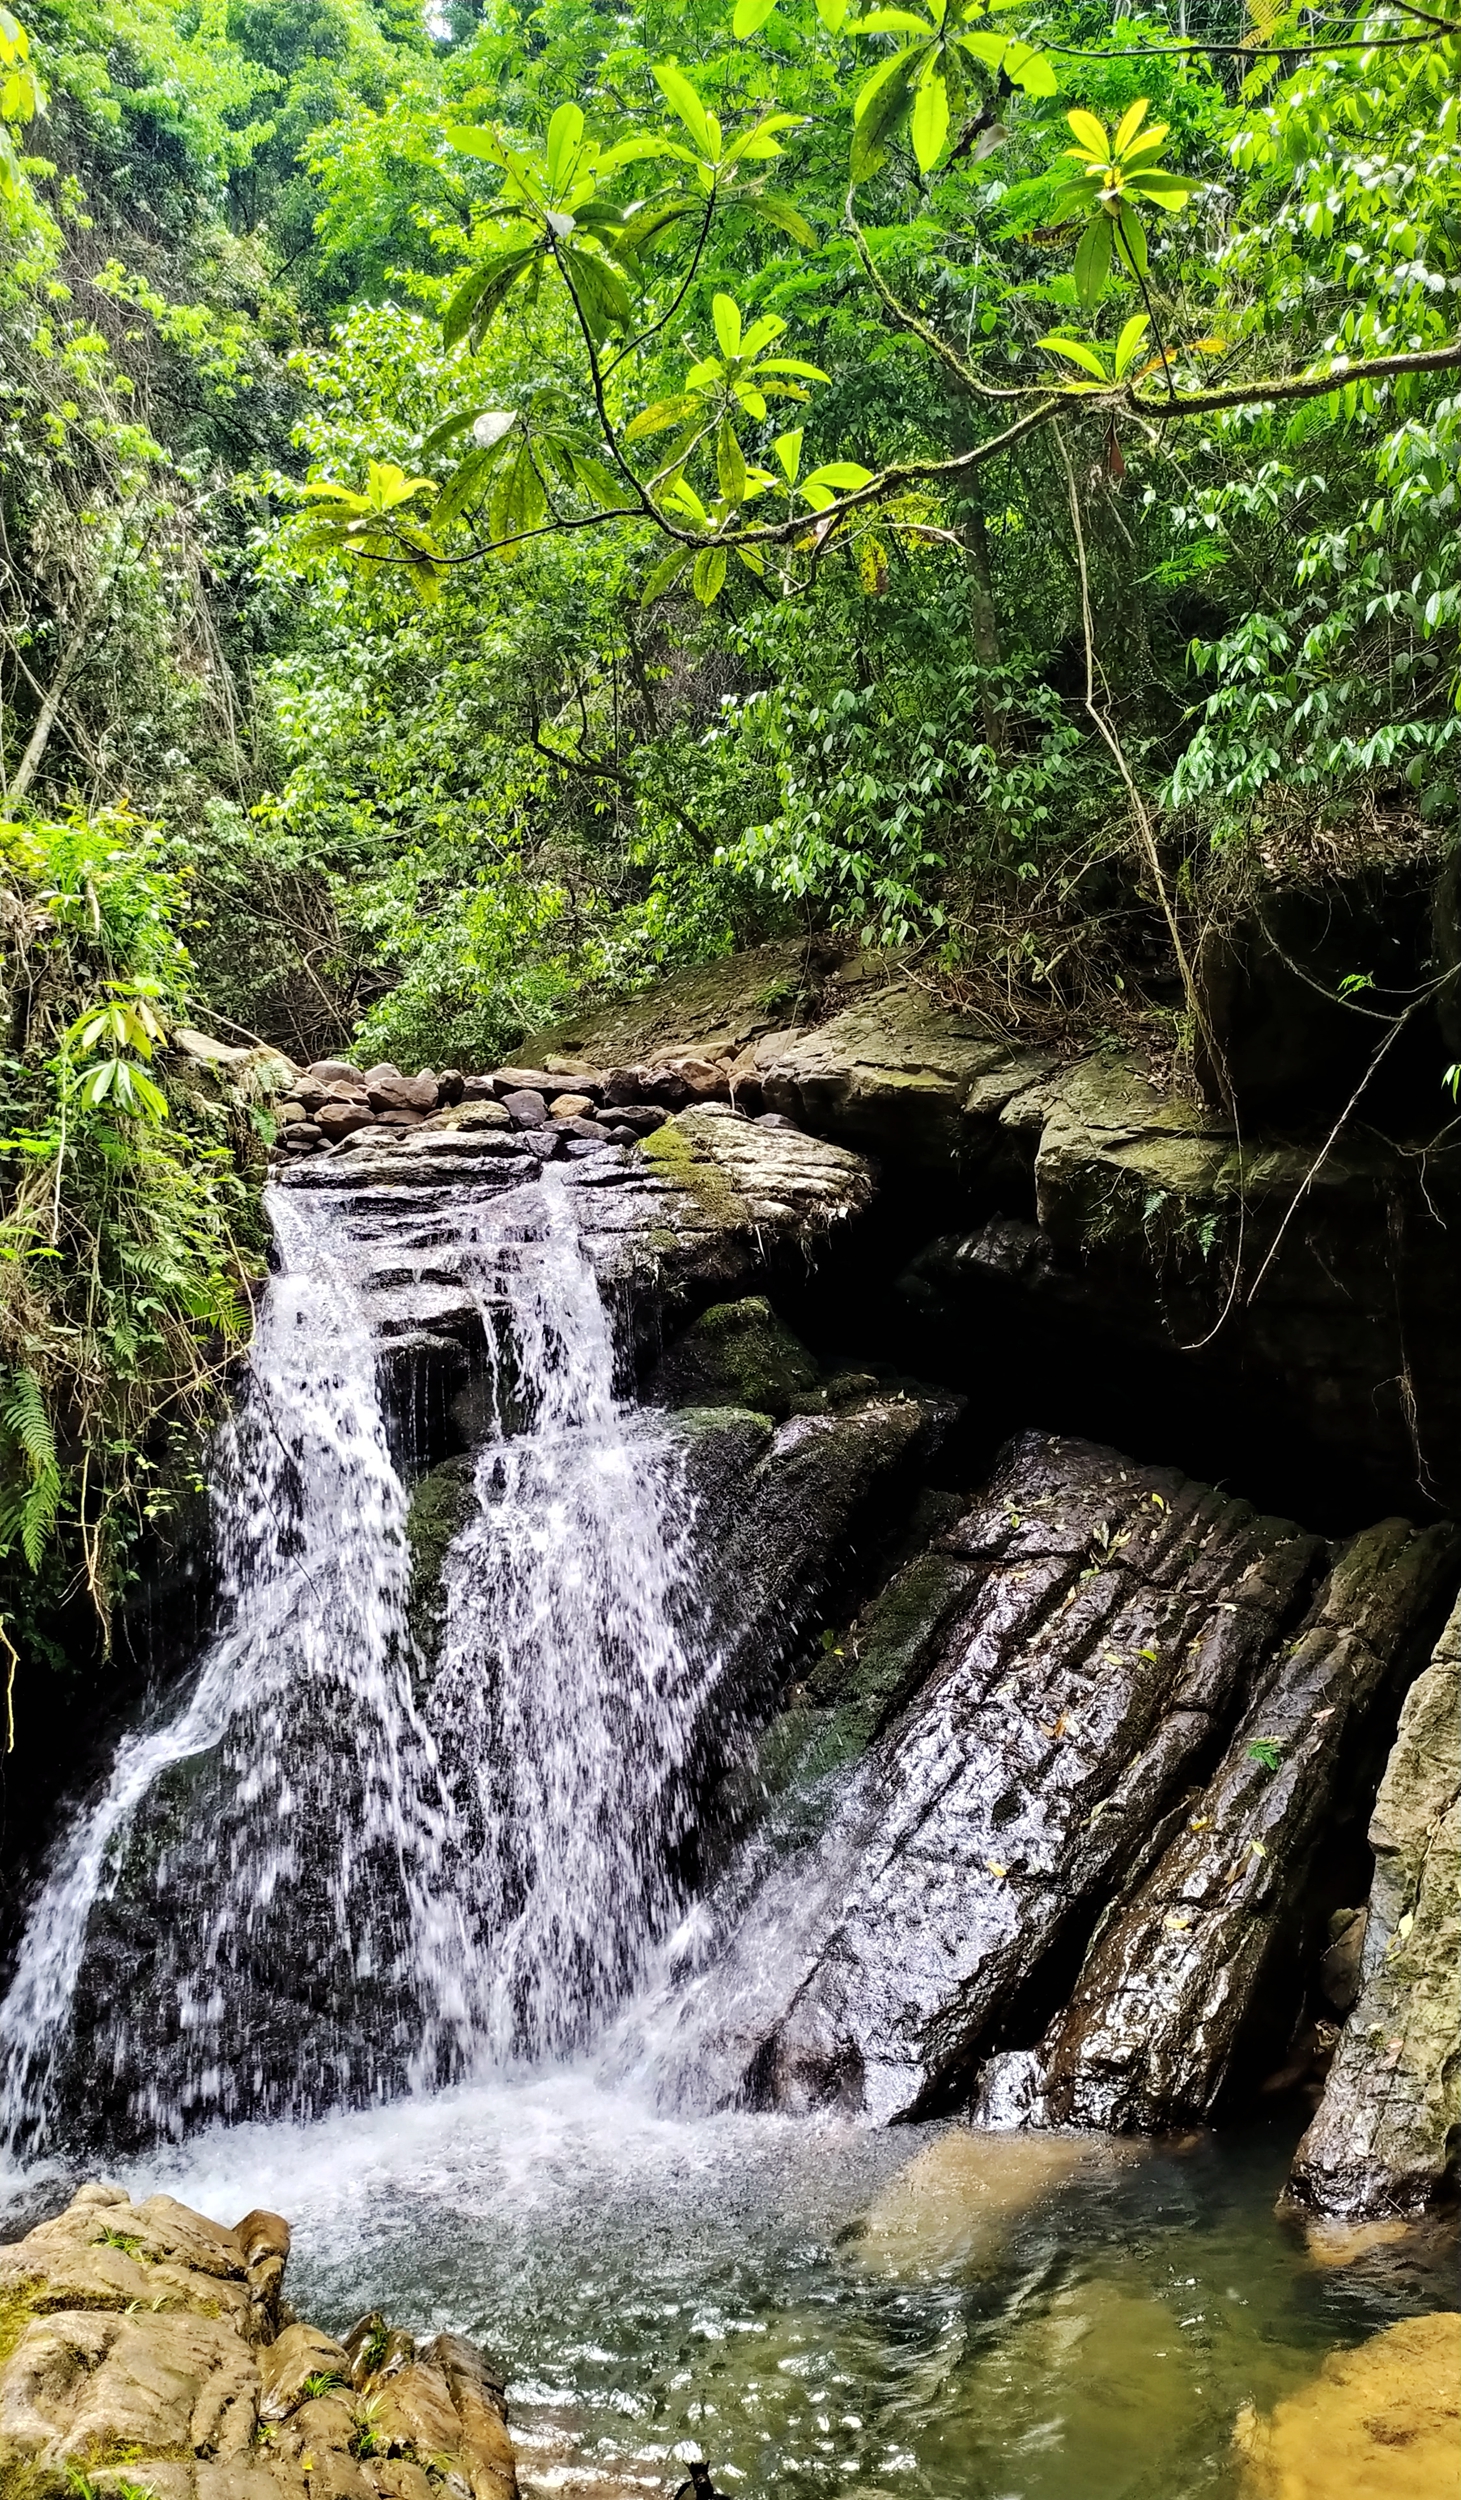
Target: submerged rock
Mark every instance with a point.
(1113, 1618)
(147, 2349)
(1384, 2140)
(1382, 2422)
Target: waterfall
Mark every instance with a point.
(572, 1695)
(327, 1875)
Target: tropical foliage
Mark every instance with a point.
(499, 501)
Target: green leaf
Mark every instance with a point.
(1169, 191)
(708, 579)
(832, 13)
(463, 486)
(565, 139)
(725, 313)
(1079, 353)
(774, 209)
(682, 100)
(1026, 66)
(1133, 237)
(750, 17)
(844, 475)
(519, 500)
(788, 450)
(603, 483)
(893, 22)
(481, 143)
(730, 463)
(930, 116)
(1093, 260)
(1093, 144)
(482, 293)
(666, 573)
(881, 103)
(661, 415)
(449, 428)
(753, 560)
(1129, 344)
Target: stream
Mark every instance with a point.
(388, 1948)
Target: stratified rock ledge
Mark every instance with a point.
(145, 2348)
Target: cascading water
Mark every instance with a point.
(328, 1877)
(571, 1697)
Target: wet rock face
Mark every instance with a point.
(1150, 2030)
(1112, 1619)
(148, 2348)
(708, 1198)
(1385, 2137)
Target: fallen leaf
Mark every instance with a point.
(996, 1870)
(1177, 1925)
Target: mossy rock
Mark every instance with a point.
(737, 1354)
(440, 1508)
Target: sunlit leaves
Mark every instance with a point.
(1117, 172)
(944, 70)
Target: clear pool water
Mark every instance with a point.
(817, 2309)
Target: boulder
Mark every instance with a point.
(1109, 1616)
(387, 1090)
(334, 1071)
(1384, 2139)
(525, 1107)
(736, 1354)
(341, 1119)
(897, 1072)
(141, 2354)
(570, 1107)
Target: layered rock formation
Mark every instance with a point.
(148, 2350)
(1098, 1652)
(1093, 1191)
(1384, 2140)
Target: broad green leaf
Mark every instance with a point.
(681, 98)
(1133, 238)
(750, 17)
(463, 486)
(519, 501)
(1146, 145)
(482, 143)
(765, 328)
(753, 560)
(708, 579)
(661, 415)
(791, 364)
(603, 483)
(565, 138)
(730, 463)
(844, 475)
(725, 313)
(880, 106)
(666, 573)
(1079, 353)
(1128, 126)
(1028, 67)
(448, 430)
(774, 209)
(1093, 260)
(788, 450)
(832, 13)
(1090, 134)
(930, 116)
(1164, 190)
(1129, 345)
(482, 293)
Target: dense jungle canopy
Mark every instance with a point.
(500, 502)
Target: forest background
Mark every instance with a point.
(487, 515)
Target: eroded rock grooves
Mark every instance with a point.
(1101, 1636)
(148, 2348)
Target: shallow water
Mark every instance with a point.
(817, 2308)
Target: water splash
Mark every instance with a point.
(327, 1878)
(573, 1697)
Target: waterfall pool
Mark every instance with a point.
(818, 2308)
